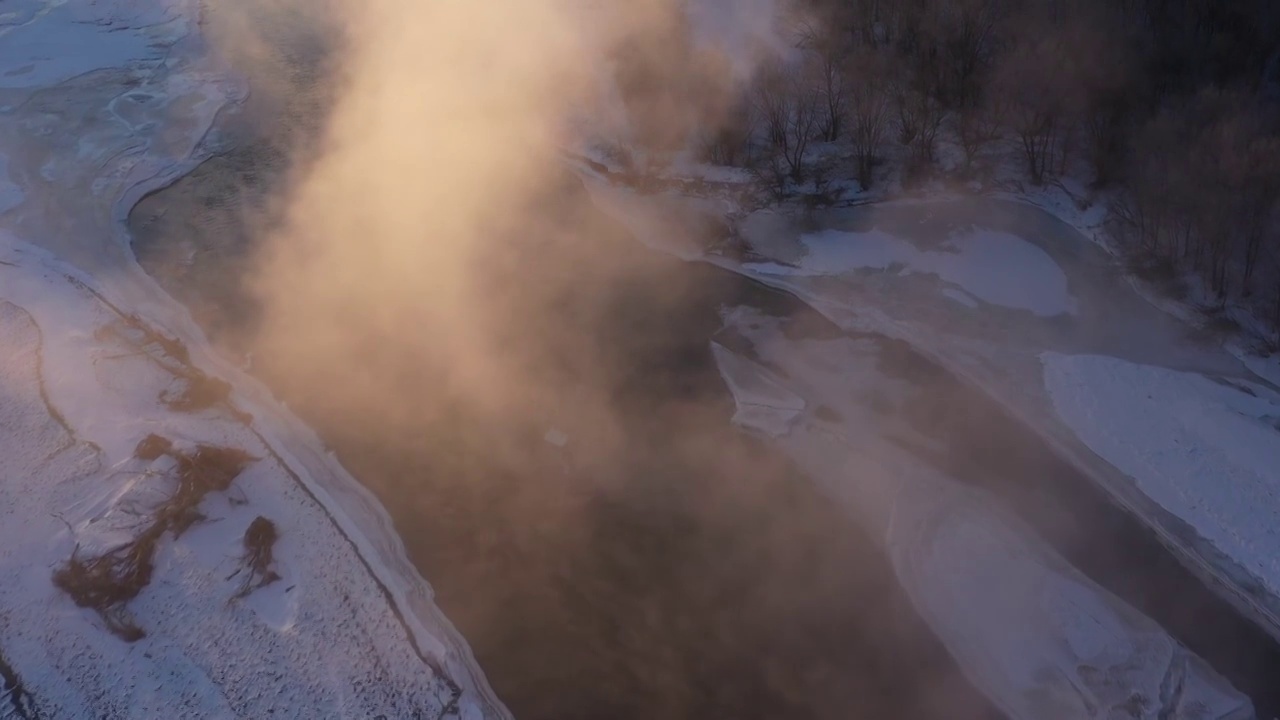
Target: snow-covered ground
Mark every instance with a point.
(102, 101)
(1206, 450)
(1033, 633)
(994, 267)
(81, 391)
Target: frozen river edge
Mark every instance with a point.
(117, 163)
(790, 424)
(987, 373)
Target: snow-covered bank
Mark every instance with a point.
(82, 392)
(101, 103)
(997, 347)
(1036, 635)
(1206, 450)
(996, 268)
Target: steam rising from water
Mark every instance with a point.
(437, 279)
(441, 159)
(423, 281)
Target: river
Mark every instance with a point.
(699, 575)
(690, 570)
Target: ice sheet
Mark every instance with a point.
(1206, 450)
(995, 267)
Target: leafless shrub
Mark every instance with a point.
(259, 556)
(979, 126)
(828, 53)
(869, 112)
(920, 116)
(789, 111)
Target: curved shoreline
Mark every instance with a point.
(1216, 576)
(1258, 609)
(1223, 575)
(348, 503)
(350, 506)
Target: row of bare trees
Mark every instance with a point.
(867, 73)
(1201, 194)
(1161, 102)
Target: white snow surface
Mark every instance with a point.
(1039, 636)
(763, 403)
(995, 267)
(77, 398)
(101, 102)
(1208, 451)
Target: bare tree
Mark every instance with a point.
(970, 39)
(772, 104)
(861, 23)
(1110, 95)
(1157, 209)
(869, 113)
(1157, 213)
(1106, 132)
(1036, 123)
(1262, 227)
(802, 124)
(827, 51)
(832, 89)
(1240, 165)
(1040, 89)
(920, 116)
(789, 110)
(1202, 190)
(979, 126)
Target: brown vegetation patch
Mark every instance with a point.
(259, 555)
(109, 581)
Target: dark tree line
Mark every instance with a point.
(1169, 105)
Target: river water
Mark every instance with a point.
(696, 573)
(699, 575)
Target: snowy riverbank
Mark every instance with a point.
(984, 289)
(101, 103)
(1033, 632)
(983, 325)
